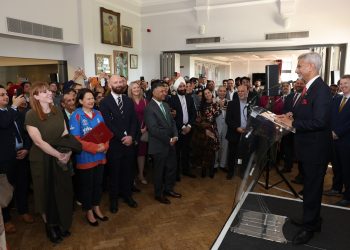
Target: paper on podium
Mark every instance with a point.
(99, 134)
(271, 117)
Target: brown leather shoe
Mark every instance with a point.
(27, 218)
(10, 228)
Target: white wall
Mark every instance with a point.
(244, 26)
(91, 36)
(80, 20)
(61, 14)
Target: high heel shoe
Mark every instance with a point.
(94, 224)
(104, 218)
(52, 234)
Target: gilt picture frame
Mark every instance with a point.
(103, 63)
(110, 27)
(133, 61)
(127, 36)
(120, 60)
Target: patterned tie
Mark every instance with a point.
(120, 104)
(342, 104)
(163, 110)
(295, 99)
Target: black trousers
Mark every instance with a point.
(341, 169)
(183, 154)
(287, 150)
(232, 156)
(18, 177)
(337, 183)
(90, 186)
(164, 168)
(121, 174)
(313, 188)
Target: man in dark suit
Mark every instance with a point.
(311, 119)
(14, 147)
(163, 136)
(120, 117)
(287, 143)
(185, 115)
(236, 120)
(341, 139)
(230, 89)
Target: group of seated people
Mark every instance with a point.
(181, 125)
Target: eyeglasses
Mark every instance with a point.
(3, 94)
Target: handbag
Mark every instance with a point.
(6, 191)
(144, 137)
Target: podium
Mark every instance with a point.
(262, 132)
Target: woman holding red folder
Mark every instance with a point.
(90, 162)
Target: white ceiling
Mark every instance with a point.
(252, 56)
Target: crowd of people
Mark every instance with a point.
(176, 125)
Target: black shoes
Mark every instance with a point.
(173, 194)
(135, 189)
(298, 180)
(332, 192)
(302, 237)
(189, 174)
(343, 203)
(104, 218)
(229, 176)
(62, 233)
(285, 170)
(131, 202)
(317, 227)
(162, 199)
(113, 206)
(93, 224)
(53, 234)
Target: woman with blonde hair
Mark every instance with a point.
(45, 125)
(135, 92)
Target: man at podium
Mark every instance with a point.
(311, 119)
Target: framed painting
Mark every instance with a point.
(133, 61)
(127, 36)
(120, 60)
(103, 64)
(110, 26)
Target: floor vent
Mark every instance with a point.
(34, 29)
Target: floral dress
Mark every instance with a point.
(203, 146)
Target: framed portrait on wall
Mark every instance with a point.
(133, 61)
(120, 59)
(103, 64)
(110, 26)
(127, 36)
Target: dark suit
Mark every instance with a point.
(66, 119)
(17, 171)
(341, 127)
(120, 157)
(233, 121)
(312, 116)
(161, 130)
(287, 143)
(183, 145)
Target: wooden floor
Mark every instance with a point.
(192, 222)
